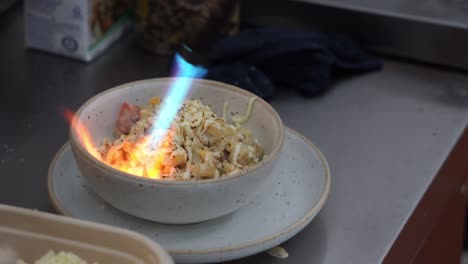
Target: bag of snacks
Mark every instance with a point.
(165, 26)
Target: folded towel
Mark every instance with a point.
(261, 59)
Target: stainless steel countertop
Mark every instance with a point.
(384, 134)
(449, 12)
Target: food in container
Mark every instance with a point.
(198, 144)
(28, 235)
(173, 201)
(57, 258)
(163, 26)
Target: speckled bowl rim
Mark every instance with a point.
(289, 229)
(75, 142)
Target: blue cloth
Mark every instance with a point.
(262, 59)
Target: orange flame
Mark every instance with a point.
(138, 158)
(82, 132)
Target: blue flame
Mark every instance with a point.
(175, 96)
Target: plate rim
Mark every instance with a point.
(304, 220)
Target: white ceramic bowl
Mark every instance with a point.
(177, 202)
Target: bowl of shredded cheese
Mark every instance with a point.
(165, 156)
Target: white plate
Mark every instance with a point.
(282, 208)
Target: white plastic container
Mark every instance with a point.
(29, 234)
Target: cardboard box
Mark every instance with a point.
(80, 29)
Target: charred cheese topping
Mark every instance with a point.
(198, 144)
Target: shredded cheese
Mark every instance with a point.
(198, 145)
(239, 120)
(278, 252)
(61, 258)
